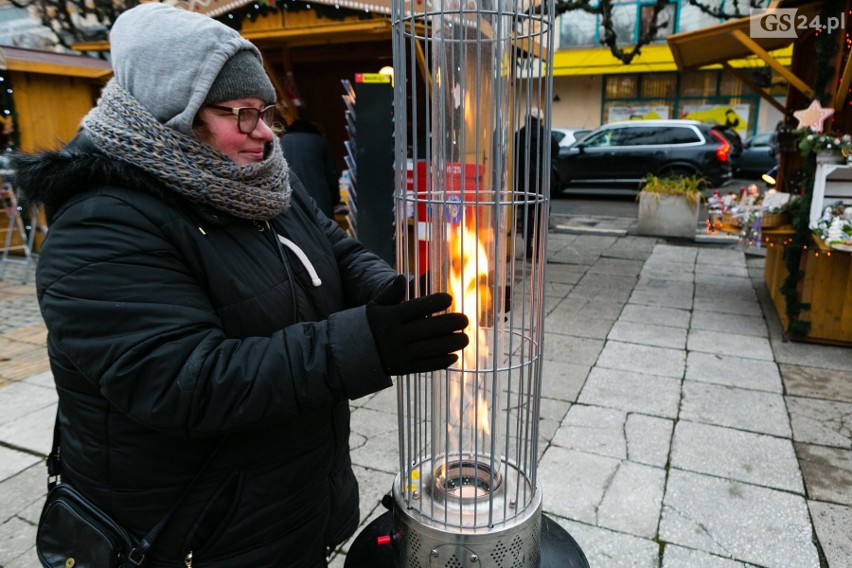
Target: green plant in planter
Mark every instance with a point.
(689, 187)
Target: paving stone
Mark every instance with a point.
(705, 272)
(723, 305)
(648, 439)
(557, 289)
(594, 327)
(563, 381)
(729, 323)
(16, 539)
(573, 483)
(823, 422)
(833, 526)
(32, 432)
(675, 253)
(816, 382)
(720, 258)
(21, 491)
(383, 401)
(609, 549)
(736, 520)
(664, 293)
(827, 472)
(632, 502)
(619, 267)
(731, 288)
(44, 380)
(737, 345)
(13, 462)
(21, 398)
(643, 359)
(570, 349)
(679, 557)
(733, 371)
(648, 334)
(733, 454)
(374, 440)
(594, 430)
(565, 273)
(733, 407)
(672, 271)
(655, 315)
(632, 392)
(596, 290)
(812, 355)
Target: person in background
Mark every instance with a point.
(198, 305)
(310, 157)
(531, 168)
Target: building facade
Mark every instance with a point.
(592, 87)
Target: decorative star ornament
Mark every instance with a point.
(814, 116)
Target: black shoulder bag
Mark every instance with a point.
(73, 532)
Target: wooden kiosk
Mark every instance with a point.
(822, 293)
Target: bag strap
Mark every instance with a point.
(137, 555)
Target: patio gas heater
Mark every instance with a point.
(471, 193)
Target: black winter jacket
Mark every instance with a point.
(172, 329)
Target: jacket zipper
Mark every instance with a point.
(188, 560)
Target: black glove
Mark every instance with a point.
(408, 337)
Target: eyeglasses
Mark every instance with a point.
(247, 117)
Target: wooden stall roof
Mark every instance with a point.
(732, 40)
(52, 63)
(218, 7)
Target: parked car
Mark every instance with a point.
(759, 155)
(625, 152)
(567, 136)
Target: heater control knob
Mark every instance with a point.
(383, 540)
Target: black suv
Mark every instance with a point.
(626, 152)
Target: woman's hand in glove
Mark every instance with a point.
(408, 337)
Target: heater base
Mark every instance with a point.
(558, 548)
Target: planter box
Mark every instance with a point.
(667, 216)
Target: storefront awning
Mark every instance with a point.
(653, 58)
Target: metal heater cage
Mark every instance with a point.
(472, 194)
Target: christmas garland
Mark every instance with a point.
(254, 11)
(826, 48)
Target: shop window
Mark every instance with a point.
(666, 19)
(730, 86)
(577, 29)
(621, 86)
(623, 23)
(659, 85)
(691, 18)
(698, 83)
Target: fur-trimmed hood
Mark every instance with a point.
(52, 178)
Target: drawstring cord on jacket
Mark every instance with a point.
(303, 258)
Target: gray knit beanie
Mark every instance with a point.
(174, 61)
(242, 76)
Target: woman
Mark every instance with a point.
(197, 304)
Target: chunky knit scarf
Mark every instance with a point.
(121, 127)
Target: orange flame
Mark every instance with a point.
(469, 287)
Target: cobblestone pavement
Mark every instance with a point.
(678, 427)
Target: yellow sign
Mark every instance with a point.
(372, 78)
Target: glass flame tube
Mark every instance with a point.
(469, 52)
